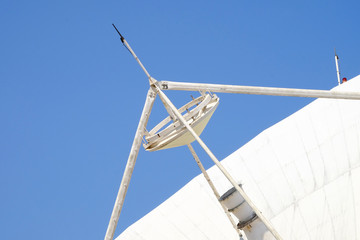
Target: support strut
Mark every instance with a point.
(212, 186)
(266, 222)
(150, 98)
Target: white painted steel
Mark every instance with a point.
(303, 172)
(219, 165)
(213, 188)
(176, 134)
(161, 130)
(337, 68)
(271, 177)
(150, 98)
(138, 60)
(163, 123)
(252, 226)
(291, 92)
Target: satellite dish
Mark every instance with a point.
(186, 127)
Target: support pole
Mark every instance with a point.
(150, 98)
(212, 186)
(151, 80)
(272, 91)
(219, 165)
(337, 67)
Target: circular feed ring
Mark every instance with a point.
(169, 134)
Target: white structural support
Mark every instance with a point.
(175, 114)
(337, 67)
(212, 186)
(219, 165)
(291, 92)
(150, 98)
(151, 80)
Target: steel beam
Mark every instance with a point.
(212, 186)
(150, 98)
(266, 222)
(291, 92)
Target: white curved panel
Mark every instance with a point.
(303, 173)
(191, 213)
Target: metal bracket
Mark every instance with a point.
(245, 223)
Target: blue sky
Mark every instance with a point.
(71, 96)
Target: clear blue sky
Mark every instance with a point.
(71, 96)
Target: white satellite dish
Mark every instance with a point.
(186, 128)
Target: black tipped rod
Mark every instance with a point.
(134, 55)
(121, 36)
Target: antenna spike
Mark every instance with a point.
(151, 80)
(121, 36)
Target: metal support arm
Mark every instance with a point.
(219, 165)
(212, 186)
(291, 92)
(150, 98)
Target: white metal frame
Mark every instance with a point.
(150, 98)
(212, 186)
(156, 89)
(169, 134)
(337, 67)
(271, 91)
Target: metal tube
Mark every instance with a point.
(151, 80)
(337, 67)
(136, 58)
(219, 165)
(293, 92)
(212, 186)
(150, 98)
